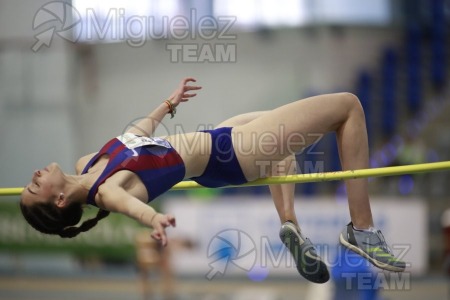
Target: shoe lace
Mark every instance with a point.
(383, 244)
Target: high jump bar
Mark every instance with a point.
(311, 177)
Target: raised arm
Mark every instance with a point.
(116, 199)
(147, 126)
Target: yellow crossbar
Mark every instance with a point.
(312, 177)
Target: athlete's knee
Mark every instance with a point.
(351, 101)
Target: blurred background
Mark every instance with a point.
(73, 74)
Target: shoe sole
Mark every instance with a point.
(375, 262)
(321, 275)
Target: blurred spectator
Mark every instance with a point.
(150, 255)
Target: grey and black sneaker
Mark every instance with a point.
(371, 245)
(309, 264)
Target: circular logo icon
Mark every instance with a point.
(230, 246)
(56, 17)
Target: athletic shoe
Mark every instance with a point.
(309, 264)
(372, 246)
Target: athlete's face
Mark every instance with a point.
(44, 186)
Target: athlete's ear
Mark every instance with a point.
(61, 201)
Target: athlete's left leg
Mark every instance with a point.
(283, 194)
(309, 264)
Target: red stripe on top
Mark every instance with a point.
(116, 151)
(108, 145)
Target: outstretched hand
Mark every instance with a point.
(181, 93)
(159, 224)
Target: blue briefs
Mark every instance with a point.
(223, 167)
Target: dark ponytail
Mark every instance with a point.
(72, 231)
(50, 219)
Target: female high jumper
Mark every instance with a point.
(134, 168)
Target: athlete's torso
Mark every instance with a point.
(124, 179)
(154, 161)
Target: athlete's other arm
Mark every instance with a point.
(148, 125)
(115, 199)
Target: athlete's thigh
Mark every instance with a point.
(241, 119)
(287, 129)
